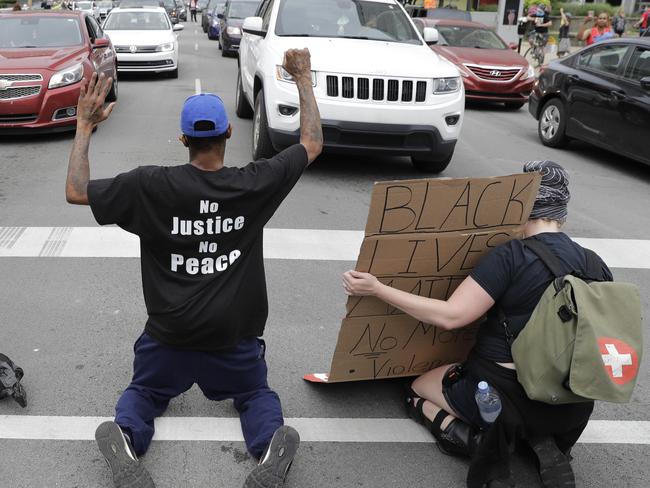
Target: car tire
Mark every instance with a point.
(514, 105)
(242, 107)
(220, 46)
(262, 146)
(173, 74)
(429, 165)
(112, 94)
(224, 53)
(205, 29)
(551, 126)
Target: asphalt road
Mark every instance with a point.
(70, 322)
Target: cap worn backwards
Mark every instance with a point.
(204, 115)
(553, 195)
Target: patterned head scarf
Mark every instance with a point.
(553, 195)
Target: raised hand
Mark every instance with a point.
(298, 63)
(90, 107)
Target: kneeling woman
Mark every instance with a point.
(510, 278)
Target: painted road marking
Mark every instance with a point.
(196, 46)
(311, 429)
(301, 244)
(197, 86)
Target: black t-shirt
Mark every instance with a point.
(542, 20)
(200, 243)
(516, 278)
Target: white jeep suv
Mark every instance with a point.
(378, 85)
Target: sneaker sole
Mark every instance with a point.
(127, 473)
(281, 451)
(554, 467)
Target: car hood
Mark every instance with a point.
(378, 58)
(139, 38)
(50, 58)
(488, 57)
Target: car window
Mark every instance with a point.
(261, 8)
(266, 16)
(136, 21)
(241, 10)
(605, 59)
(639, 65)
(32, 31)
(92, 33)
(474, 37)
(95, 26)
(360, 19)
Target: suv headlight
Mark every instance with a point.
(282, 74)
(446, 85)
(233, 31)
(530, 73)
(168, 46)
(67, 76)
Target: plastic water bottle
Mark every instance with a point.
(488, 401)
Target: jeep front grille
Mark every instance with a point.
(377, 89)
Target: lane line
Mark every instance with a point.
(28, 427)
(197, 86)
(301, 244)
(196, 46)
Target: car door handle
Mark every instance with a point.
(573, 78)
(618, 94)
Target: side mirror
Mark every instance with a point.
(513, 45)
(100, 42)
(430, 35)
(645, 83)
(178, 27)
(253, 25)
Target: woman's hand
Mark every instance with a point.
(356, 283)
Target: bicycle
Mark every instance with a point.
(537, 48)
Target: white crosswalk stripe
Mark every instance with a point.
(301, 244)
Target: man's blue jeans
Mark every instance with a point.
(161, 373)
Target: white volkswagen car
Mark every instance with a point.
(378, 85)
(144, 39)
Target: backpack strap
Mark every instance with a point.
(544, 253)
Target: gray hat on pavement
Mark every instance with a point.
(553, 195)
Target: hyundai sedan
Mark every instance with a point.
(44, 56)
(600, 95)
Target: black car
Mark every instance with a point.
(600, 95)
(232, 18)
(206, 15)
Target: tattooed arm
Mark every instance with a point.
(298, 63)
(90, 112)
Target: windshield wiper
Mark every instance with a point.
(27, 47)
(357, 37)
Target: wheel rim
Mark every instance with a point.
(550, 122)
(256, 129)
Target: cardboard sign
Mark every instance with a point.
(424, 237)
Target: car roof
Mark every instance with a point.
(429, 22)
(139, 9)
(48, 13)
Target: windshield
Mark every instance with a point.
(345, 18)
(36, 31)
(461, 36)
(136, 21)
(241, 10)
(84, 6)
(105, 4)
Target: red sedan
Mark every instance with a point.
(491, 70)
(43, 58)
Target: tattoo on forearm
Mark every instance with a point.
(78, 166)
(310, 126)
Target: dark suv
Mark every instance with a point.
(232, 18)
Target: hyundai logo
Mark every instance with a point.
(4, 84)
(133, 49)
(495, 72)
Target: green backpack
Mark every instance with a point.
(584, 340)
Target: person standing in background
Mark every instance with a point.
(564, 46)
(642, 24)
(618, 22)
(193, 10)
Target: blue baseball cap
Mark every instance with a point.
(205, 107)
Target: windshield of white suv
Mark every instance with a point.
(84, 6)
(241, 10)
(33, 31)
(356, 19)
(136, 21)
(461, 36)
